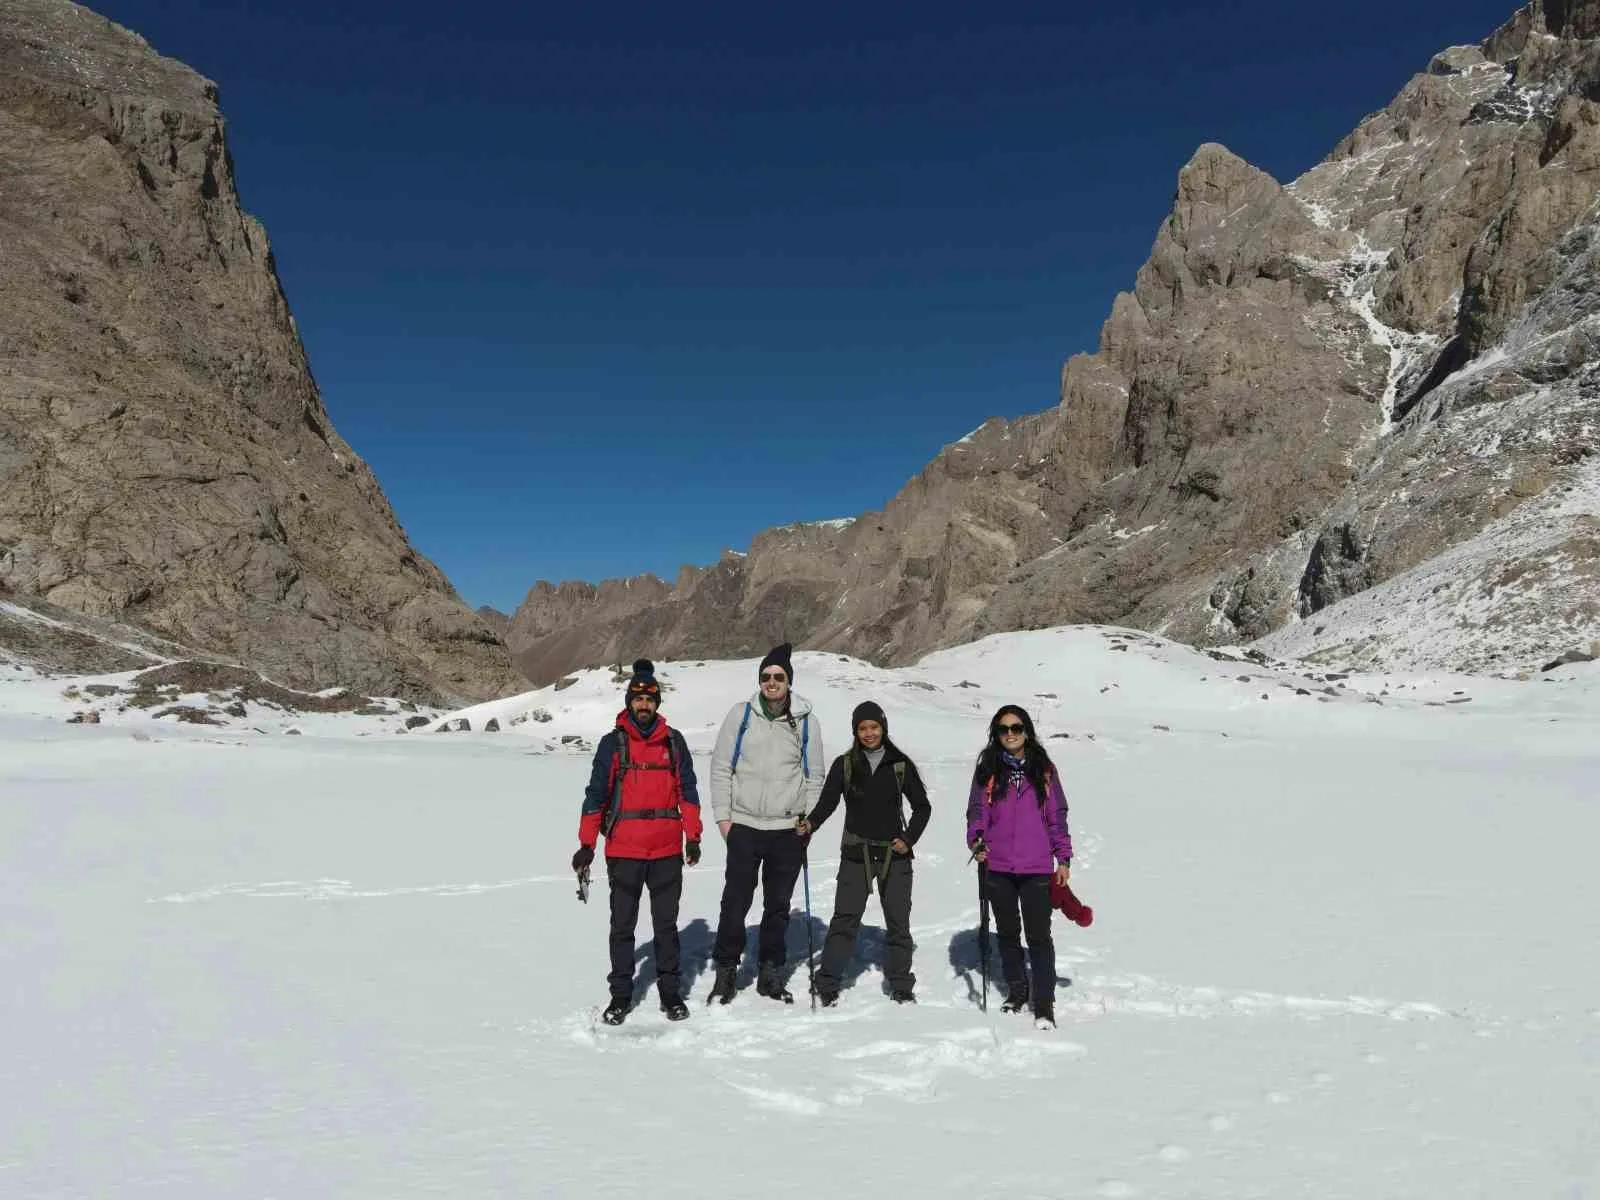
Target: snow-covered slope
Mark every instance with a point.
(1340, 950)
(1515, 596)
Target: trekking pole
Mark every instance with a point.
(983, 931)
(811, 933)
(583, 885)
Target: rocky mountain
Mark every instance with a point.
(165, 456)
(494, 619)
(1312, 389)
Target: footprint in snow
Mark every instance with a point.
(780, 1101)
(878, 1049)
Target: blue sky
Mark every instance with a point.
(599, 289)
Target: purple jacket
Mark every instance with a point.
(1021, 837)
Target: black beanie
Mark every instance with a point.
(868, 710)
(643, 680)
(778, 656)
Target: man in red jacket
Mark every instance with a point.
(642, 797)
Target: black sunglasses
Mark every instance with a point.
(1011, 729)
(773, 677)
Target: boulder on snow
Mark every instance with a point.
(1571, 656)
(492, 725)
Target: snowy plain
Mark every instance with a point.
(1345, 946)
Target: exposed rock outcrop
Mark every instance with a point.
(165, 457)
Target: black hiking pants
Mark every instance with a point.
(629, 877)
(850, 902)
(773, 855)
(1021, 903)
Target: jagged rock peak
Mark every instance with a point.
(57, 41)
(1572, 20)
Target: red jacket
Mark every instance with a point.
(658, 780)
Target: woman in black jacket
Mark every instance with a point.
(871, 777)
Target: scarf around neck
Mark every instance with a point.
(1016, 770)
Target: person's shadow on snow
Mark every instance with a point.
(801, 940)
(872, 950)
(695, 941)
(798, 942)
(966, 962)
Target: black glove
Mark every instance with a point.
(691, 853)
(582, 858)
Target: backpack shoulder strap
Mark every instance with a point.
(672, 759)
(619, 771)
(900, 774)
(848, 764)
(738, 742)
(805, 744)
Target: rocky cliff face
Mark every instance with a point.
(1310, 390)
(165, 457)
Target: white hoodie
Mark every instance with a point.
(768, 789)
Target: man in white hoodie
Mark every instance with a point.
(766, 774)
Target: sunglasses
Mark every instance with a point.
(1005, 730)
(773, 677)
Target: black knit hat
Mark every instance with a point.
(643, 681)
(778, 656)
(868, 710)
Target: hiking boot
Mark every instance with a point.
(827, 997)
(1016, 999)
(675, 1008)
(723, 990)
(770, 984)
(1044, 1015)
(617, 1011)
(902, 996)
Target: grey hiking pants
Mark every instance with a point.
(850, 902)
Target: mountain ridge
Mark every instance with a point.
(1290, 360)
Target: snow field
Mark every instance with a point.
(1339, 950)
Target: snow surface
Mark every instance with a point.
(1344, 947)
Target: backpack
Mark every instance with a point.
(848, 767)
(622, 766)
(849, 770)
(805, 742)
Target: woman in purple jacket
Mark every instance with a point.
(1017, 828)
